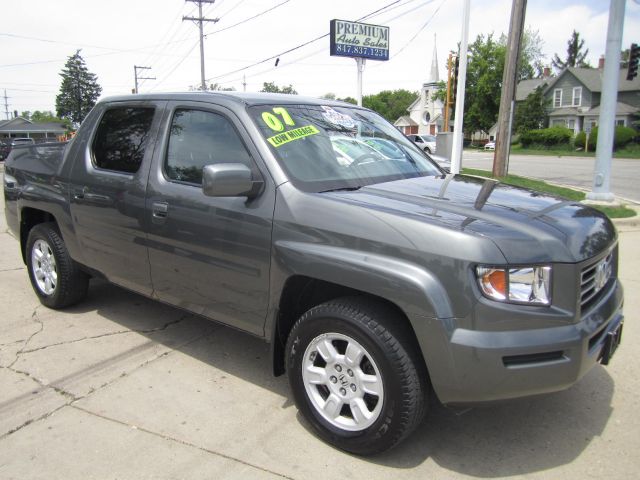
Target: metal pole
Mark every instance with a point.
(360, 63)
(509, 78)
(135, 76)
(456, 154)
(606, 122)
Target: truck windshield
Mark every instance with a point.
(333, 147)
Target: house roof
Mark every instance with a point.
(526, 87)
(22, 125)
(621, 109)
(405, 121)
(591, 78)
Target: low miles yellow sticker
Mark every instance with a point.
(295, 134)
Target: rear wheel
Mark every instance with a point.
(355, 374)
(56, 278)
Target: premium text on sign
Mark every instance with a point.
(352, 39)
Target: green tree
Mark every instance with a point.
(531, 62)
(328, 96)
(391, 104)
(350, 100)
(484, 83)
(271, 87)
(79, 90)
(531, 114)
(575, 56)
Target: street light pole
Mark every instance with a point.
(606, 122)
(456, 153)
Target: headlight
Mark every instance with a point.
(528, 285)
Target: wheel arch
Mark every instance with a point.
(29, 218)
(322, 273)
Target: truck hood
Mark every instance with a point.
(527, 226)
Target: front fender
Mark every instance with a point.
(412, 288)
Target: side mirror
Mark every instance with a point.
(229, 180)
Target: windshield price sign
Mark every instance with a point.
(353, 39)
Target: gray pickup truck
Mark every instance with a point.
(377, 279)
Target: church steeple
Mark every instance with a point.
(433, 75)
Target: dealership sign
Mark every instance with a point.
(359, 40)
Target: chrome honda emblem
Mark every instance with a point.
(603, 273)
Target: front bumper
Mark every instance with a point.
(478, 366)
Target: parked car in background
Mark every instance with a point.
(5, 149)
(490, 146)
(426, 143)
(16, 142)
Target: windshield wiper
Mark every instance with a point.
(341, 189)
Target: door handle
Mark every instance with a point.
(80, 193)
(159, 211)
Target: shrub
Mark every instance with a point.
(547, 137)
(580, 140)
(622, 137)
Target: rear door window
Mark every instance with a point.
(121, 138)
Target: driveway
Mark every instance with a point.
(573, 171)
(123, 387)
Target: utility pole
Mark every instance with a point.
(456, 153)
(447, 103)
(6, 104)
(135, 75)
(509, 77)
(609, 96)
(244, 83)
(200, 21)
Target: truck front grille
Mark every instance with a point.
(594, 278)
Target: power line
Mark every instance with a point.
(246, 19)
(301, 45)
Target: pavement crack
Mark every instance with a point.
(12, 269)
(30, 421)
(34, 316)
(109, 334)
(181, 442)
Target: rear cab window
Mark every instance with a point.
(121, 139)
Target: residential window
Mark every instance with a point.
(620, 122)
(200, 138)
(121, 139)
(558, 123)
(577, 97)
(572, 124)
(557, 98)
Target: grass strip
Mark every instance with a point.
(542, 186)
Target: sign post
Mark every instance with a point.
(360, 41)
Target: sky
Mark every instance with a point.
(37, 37)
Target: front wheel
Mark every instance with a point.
(355, 374)
(56, 278)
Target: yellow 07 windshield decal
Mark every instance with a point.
(295, 134)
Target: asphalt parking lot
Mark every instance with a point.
(123, 387)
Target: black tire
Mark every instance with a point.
(390, 355)
(70, 284)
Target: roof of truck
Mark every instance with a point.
(246, 98)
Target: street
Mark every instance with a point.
(572, 171)
(124, 387)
